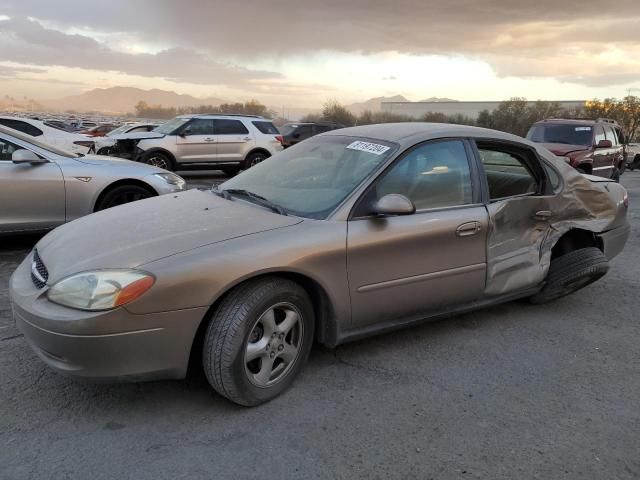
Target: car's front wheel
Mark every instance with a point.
(258, 340)
(121, 195)
(159, 159)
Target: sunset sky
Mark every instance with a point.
(300, 52)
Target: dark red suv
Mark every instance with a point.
(591, 146)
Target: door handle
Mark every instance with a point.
(246, 139)
(468, 229)
(209, 140)
(543, 215)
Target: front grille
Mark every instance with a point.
(39, 273)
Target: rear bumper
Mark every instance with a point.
(613, 241)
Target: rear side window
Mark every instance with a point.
(599, 134)
(507, 175)
(433, 175)
(266, 127)
(23, 127)
(229, 127)
(323, 128)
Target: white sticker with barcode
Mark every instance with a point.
(374, 148)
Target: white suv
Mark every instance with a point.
(225, 142)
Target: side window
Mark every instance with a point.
(23, 127)
(553, 177)
(322, 128)
(139, 129)
(433, 175)
(230, 127)
(200, 126)
(507, 174)
(599, 134)
(6, 149)
(610, 133)
(304, 131)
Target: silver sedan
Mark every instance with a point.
(42, 186)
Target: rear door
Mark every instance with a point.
(412, 266)
(520, 209)
(234, 140)
(617, 151)
(32, 196)
(197, 144)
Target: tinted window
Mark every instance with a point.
(433, 175)
(200, 126)
(230, 127)
(553, 177)
(323, 128)
(557, 133)
(266, 127)
(6, 149)
(304, 131)
(611, 134)
(23, 127)
(507, 175)
(599, 134)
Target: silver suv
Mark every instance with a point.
(225, 142)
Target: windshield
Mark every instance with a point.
(567, 134)
(171, 126)
(288, 129)
(33, 141)
(312, 178)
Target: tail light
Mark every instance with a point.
(280, 138)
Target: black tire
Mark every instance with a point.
(123, 194)
(253, 159)
(571, 272)
(103, 151)
(160, 160)
(581, 170)
(235, 327)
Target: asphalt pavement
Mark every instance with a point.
(510, 392)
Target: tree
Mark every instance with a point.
(332, 111)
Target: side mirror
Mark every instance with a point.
(185, 132)
(393, 204)
(26, 156)
(604, 144)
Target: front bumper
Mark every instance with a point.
(115, 345)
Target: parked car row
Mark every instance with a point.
(73, 142)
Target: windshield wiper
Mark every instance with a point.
(254, 197)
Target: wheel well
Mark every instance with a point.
(120, 183)
(587, 167)
(326, 328)
(575, 239)
(258, 150)
(159, 150)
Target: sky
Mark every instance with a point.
(302, 52)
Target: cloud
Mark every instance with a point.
(516, 37)
(27, 41)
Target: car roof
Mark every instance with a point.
(230, 116)
(580, 121)
(408, 133)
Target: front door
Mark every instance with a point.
(520, 210)
(411, 266)
(197, 142)
(602, 157)
(32, 196)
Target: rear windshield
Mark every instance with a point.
(266, 127)
(288, 128)
(557, 133)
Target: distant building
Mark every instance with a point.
(468, 109)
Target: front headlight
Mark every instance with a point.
(100, 289)
(172, 179)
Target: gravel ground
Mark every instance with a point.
(513, 391)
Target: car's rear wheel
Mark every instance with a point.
(159, 159)
(123, 194)
(258, 340)
(253, 159)
(571, 272)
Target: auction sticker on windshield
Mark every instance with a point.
(374, 148)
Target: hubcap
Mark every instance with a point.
(273, 344)
(256, 160)
(157, 161)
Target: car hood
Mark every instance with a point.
(106, 161)
(561, 149)
(132, 235)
